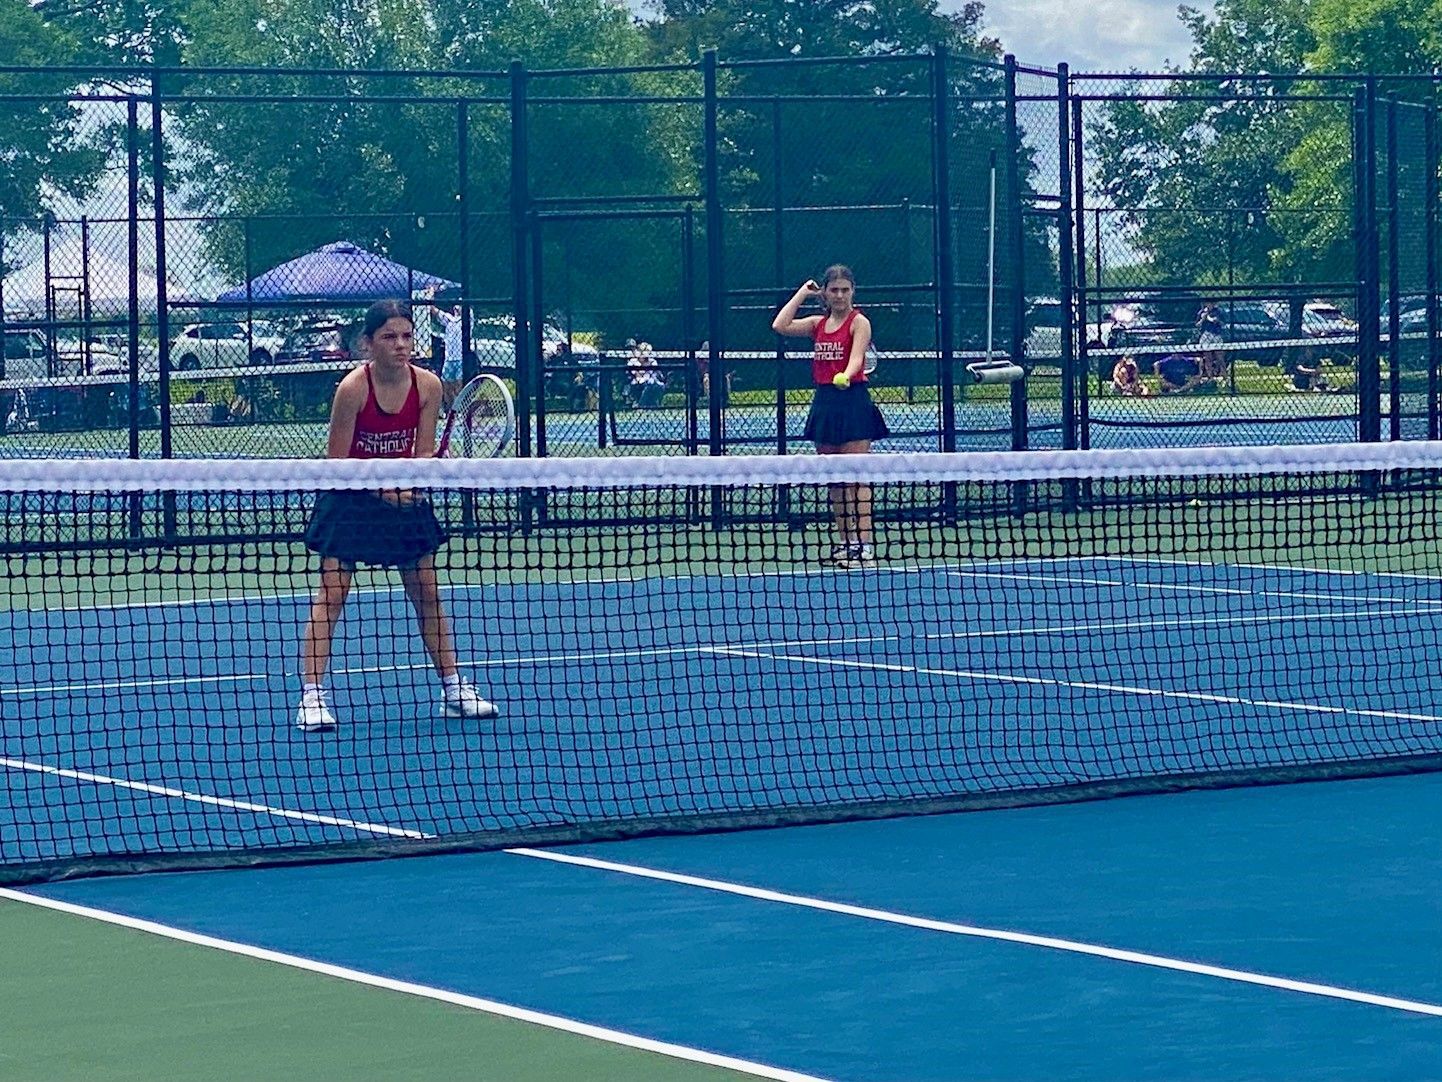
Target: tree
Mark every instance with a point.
(843, 148)
(1202, 184)
(44, 151)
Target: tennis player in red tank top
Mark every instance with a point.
(387, 408)
(843, 419)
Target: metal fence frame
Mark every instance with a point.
(1044, 175)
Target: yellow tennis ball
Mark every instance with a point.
(842, 380)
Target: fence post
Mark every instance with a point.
(945, 268)
(469, 364)
(1016, 219)
(1430, 230)
(162, 298)
(132, 238)
(1394, 285)
(688, 329)
(1083, 345)
(1064, 257)
(520, 211)
(1369, 419)
(715, 266)
(778, 198)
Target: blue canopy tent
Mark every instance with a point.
(333, 273)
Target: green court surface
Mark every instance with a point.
(88, 1001)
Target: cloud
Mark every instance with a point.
(1102, 35)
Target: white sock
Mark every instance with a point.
(306, 689)
(451, 684)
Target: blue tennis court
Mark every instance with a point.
(690, 670)
(173, 721)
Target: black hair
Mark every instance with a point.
(378, 314)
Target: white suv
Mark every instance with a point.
(494, 340)
(224, 345)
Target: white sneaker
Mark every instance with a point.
(463, 702)
(314, 715)
(859, 556)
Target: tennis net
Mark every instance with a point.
(670, 649)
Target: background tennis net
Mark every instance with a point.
(669, 652)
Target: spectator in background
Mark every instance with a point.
(1306, 375)
(1127, 380)
(1179, 373)
(1210, 335)
(703, 376)
(453, 348)
(647, 383)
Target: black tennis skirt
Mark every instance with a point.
(361, 528)
(840, 416)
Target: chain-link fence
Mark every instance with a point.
(1172, 259)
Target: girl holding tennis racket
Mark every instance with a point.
(843, 419)
(387, 408)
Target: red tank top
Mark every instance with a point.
(832, 350)
(379, 434)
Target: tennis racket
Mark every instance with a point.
(481, 422)
(868, 366)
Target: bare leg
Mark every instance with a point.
(838, 496)
(425, 596)
(857, 497)
(325, 612)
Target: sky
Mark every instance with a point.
(1095, 35)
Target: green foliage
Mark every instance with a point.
(41, 146)
(1204, 184)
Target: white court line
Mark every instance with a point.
(1026, 939)
(1086, 685)
(590, 580)
(731, 888)
(421, 991)
(1190, 589)
(711, 648)
(1273, 567)
(204, 798)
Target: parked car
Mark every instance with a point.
(225, 345)
(494, 340)
(1253, 322)
(1151, 320)
(317, 343)
(1323, 320)
(1043, 329)
(1408, 305)
(28, 355)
